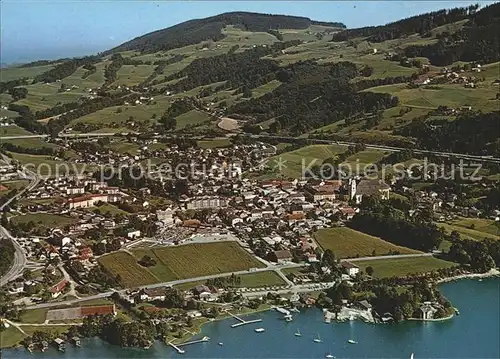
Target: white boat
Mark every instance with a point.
(297, 333)
(350, 341)
(288, 318)
(259, 330)
(317, 340)
(328, 355)
(411, 356)
(221, 343)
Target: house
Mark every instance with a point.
(283, 256)
(17, 287)
(350, 268)
(87, 201)
(321, 193)
(206, 202)
(134, 234)
(58, 288)
(347, 212)
(374, 188)
(205, 293)
(427, 311)
(153, 294)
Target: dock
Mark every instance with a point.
(178, 348)
(242, 321)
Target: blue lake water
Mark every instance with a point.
(474, 333)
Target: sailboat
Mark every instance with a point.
(411, 356)
(318, 339)
(297, 333)
(328, 355)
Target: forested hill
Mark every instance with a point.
(421, 24)
(210, 28)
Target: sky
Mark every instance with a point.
(50, 29)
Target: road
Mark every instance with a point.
(157, 285)
(20, 260)
(416, 255)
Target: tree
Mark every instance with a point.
(369, 270)
(328, 258)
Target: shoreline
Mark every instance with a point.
(491, 273)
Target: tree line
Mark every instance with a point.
(472, 132)
(421, 24)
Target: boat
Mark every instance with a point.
(259, 330)
(288, 318)
(317, 340)
(350, 341)
(328, 355)
(221, 343)
(411, 356)
(480, 279)
(297, 333)
(457, 312)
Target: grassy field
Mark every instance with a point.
(13, 131)
(42, 96)
(473, 228)
(131, 75)
(253, 280)
(454, 96)
(132, 274)
(116, 117)
(44, 220)
(402, 266)
(31, 143)
(34, 316)
(217, 143)
(13, 185)
(10, 337)
(12, 73)
(46, 166)
(365, 157)
(292, 161)
(191, 118)
(198, 259)
(347, 243)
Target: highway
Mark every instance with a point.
(19, 256)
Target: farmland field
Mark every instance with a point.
(125, 265)
(402, 266)
(347, 243)
(473, 228)
(12, 73)
(191, 118)
(198, 259)
(292, 161)
(44, 220)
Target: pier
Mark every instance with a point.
(242, 321)
(182, 351)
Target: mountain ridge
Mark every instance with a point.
(210, 28)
